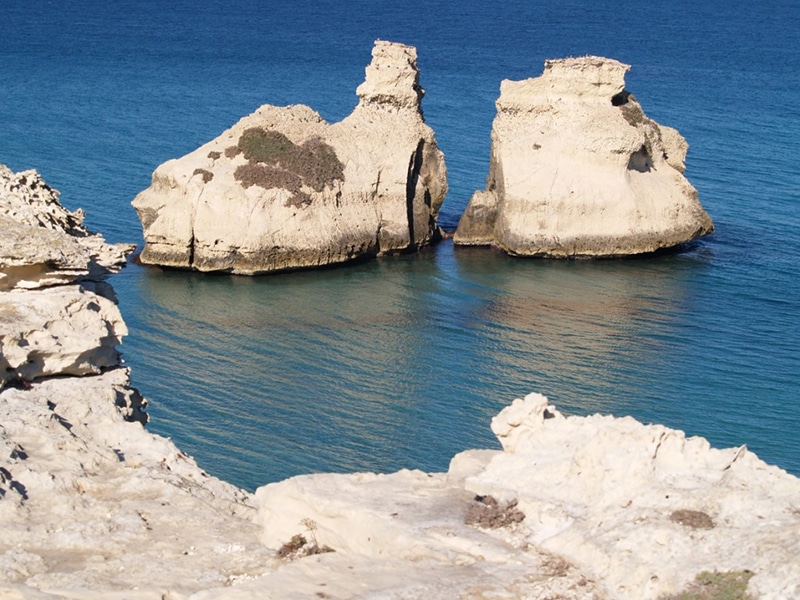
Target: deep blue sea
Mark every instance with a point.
(402, 362)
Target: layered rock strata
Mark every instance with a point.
(43, 243)
(284, 189)
(578, 170)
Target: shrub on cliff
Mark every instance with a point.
(274, 161)
(731, 585)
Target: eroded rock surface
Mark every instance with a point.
(284, 189)
(42, 243)
(578, 170)
(643, 507)
(89, 500)
(61, 330)
(573, 507)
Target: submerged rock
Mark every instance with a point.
(578, 170)
(284, 189)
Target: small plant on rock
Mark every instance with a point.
(730, 585)
(292, 547)
(315, 548)
(299, 546)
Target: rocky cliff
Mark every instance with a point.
(578, 170)
(94, 506)
(284, 189)
(89, 500)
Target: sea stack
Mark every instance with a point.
(578, 170)
(283, 189)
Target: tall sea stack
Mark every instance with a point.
(578, 170)
(283, 189)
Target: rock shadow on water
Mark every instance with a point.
(582, 328)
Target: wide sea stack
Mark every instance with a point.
(578, 170)
(283, 189)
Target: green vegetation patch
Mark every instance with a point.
(730, 585)
(633, 113)
(259, 145)
(267, 176)
(274, 161)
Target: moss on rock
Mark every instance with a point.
(274, 161)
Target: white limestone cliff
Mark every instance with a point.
(89, 500)
(94, 506)
(284, 189)
(60, 330)
(578, 170)
(612, 509)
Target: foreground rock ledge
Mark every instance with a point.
(578, 170)
(572, 507)
(283, 189)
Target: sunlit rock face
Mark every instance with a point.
(577, 507)
(46, 327)
(41, 242)
(89, 500)
(283, 189)
(578, 170)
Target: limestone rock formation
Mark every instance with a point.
(44, 244)
(644, 506)
(62, 329)
(578, 170)
(283, 189)
(573, 507)
(89, 500)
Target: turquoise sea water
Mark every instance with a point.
(402, 362)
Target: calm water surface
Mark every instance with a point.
(402, 362)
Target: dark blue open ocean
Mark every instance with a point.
(402, 362)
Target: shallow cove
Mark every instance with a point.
(402, 362)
